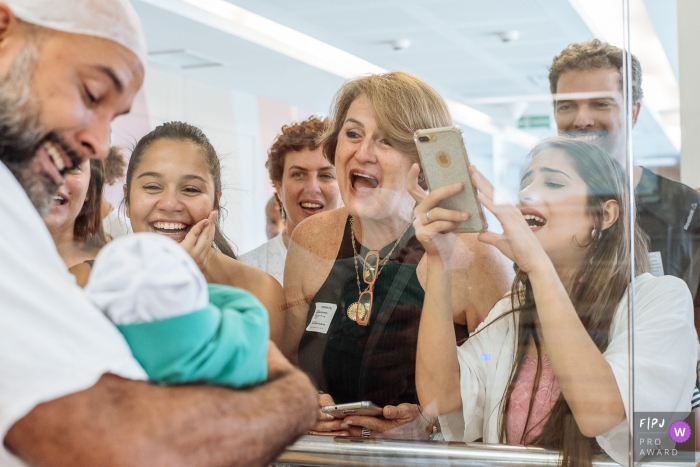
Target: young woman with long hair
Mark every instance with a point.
(173, 188)
(548, 367)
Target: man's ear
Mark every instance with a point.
(635, 112)
(12, 37)
(8, 21)
(611, 212)
(126, 204)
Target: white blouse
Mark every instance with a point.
(270, 257)
(664, 363)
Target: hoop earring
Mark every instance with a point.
(283, 214)
(593, 233)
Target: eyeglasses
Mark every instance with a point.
(369, 276)
(361, 310)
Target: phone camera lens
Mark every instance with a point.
(423, 139)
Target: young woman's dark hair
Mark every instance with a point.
(88, 224)
(600, 284)
(180, 131)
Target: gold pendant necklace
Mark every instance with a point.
(357, 310)
(353, 310)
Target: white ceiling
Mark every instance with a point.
(454, 47)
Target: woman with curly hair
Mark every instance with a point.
(306, 184)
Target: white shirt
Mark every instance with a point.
(53, 342)
(269, 257)
(116, 224)
(664, 363)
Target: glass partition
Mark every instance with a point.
(564, 334)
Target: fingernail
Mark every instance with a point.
(329, 416)
(349, 422)
(343, 434)
(344, 425)
(465, 215)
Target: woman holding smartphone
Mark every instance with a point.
(548, 367)
(355, 276)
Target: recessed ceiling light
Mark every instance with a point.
(509, 36)
(400, 44)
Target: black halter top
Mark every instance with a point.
(376, 362)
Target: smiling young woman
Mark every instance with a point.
(173, 187)
(556, 375)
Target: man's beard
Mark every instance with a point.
(21, 134)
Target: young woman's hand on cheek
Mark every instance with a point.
(517, 241)
(200, 238)
(433, 224)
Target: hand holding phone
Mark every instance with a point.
(445, 162)
(365, 408)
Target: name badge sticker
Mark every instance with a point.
(321, 320)
(657, 266)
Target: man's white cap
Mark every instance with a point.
(146, 277)
(115, 20)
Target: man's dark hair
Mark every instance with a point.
(594, 54)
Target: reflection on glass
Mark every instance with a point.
(548, 365)
(374, 359)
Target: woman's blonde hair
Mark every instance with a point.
(401, 103)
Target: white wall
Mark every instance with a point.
(689, 68)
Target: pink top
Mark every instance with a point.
(546, 396)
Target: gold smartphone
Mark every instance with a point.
(445, 161)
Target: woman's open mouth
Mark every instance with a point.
(171, 229)
(361, 180)
(311, 207)
(59, 200)
(535, 221)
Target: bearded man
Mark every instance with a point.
(71, 394)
